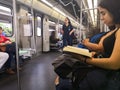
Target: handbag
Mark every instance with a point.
(65, 65)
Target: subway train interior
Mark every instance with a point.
(30, 23)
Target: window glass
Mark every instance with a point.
(7, 28)
(6, 20)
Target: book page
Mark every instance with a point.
(77, 50)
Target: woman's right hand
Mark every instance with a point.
(2, 44)
(85, 41)
(8, 42)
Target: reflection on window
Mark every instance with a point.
(6, 20)
(38, 31)
(7, 27)
(5, 10)
(38, 26)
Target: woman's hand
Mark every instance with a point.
(70, 33)
(85, 41)
(8, 42)
(80, 57)
(2, 44)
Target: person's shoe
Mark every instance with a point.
(10, 71)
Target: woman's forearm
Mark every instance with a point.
(92, 46)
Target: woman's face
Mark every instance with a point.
(66, 21)
(105, 16)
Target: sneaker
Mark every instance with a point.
(10, 71)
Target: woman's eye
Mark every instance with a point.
(102, 13)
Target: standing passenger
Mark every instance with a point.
(67, 32)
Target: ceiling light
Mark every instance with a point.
(46, 2)
(5, 8)
(58, 10)
(95, 3)
(92, 5)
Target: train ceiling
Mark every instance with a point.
(73, 7)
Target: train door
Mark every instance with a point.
(46, 47)
(38, 33)
(26, 30)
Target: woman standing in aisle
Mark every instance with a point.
(67, 31)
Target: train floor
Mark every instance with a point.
(36, 74)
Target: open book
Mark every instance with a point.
(76, 50)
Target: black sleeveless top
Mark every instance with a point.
(108, 44)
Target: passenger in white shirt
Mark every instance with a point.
(3, 58)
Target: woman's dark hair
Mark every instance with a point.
(0, 28)
(112, 27)
(113, 6)
(68, 20)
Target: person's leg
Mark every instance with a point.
(70, 41)
(64, 42)
(95, 80)
(63, 84)
(3, 58)
(10, 49)
(8, 64)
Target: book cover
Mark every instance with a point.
(76, 50)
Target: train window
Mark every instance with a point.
(38, 26)
(7, 28)
(52, 26)
(6, 20)
(5, 10)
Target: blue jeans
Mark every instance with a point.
(64, 84)
(11, 50)
(67, 41)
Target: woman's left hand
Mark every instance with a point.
(70, 33)
(8, 42)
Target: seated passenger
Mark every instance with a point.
(97, 79)
(7, 46)
(54, 42)
(65, 84)
(3, 58)
(53, 38)
(93, 45)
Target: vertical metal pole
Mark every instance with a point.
(16, 40)
(81, 19)
(33, 27)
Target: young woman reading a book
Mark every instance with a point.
(98, 78)
(93, 45)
